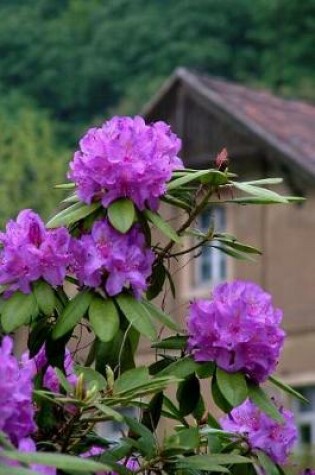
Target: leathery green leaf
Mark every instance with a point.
(137, 315)
(72, 314)
(233, 386)
(104, 318)
(121, 214)
(17, 311)
(45, 297)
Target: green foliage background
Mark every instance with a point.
(65, 64)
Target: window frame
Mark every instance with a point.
(306, 417)
(217, 218)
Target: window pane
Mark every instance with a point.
(309, 393)
(205, 271)
(205, 220)
(305, 434)
(223, 273)
(211, 266)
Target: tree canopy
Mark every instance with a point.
(81, 61)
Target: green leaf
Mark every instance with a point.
(205, 370)
(134, 378)
(149, 445)
(214, 178)
(218, 397)
(111, 413)
(162, 225)
(156, 281)
(222, 459)
(264, 181)
(233, 253)
(286, 388)
(121, 214)
(158, 366)
(17, 471)
(73, 198)
(260, 192)
(118, 353)
(159, 315)
(233, 386)
(45, 297)
(17, 311)
(181, 368)
(199, 410)
(151, 415)
(253, 200)
(63, 381)
(212, 462)
(63, 462)
(72, 214)
(104, 318)
(260, 398)
(211, 177)
(137, 315)
(91, 377)
(65, 186)
(178, 342)
(176, 202)
(38, 335)
(187, 439)
(188, 394)
(266, 463)
(72, 314)
(235, 244)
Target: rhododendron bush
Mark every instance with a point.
(99, 264)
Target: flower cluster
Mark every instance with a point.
(16, 386)
(16, 406)
(111, 259)
(274, 438)
(30, 252)
(125, 158)
(238, 329)
(50, 379)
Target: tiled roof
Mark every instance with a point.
(287, 125)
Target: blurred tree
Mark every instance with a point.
(285, 37)
(79, 58)
(30, 161)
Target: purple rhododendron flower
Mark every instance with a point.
(50, 380)
(31, 252)
(308, 471)
(111, 259)
(262, 432)
(125, 158)
(238, 329)
(16, 386)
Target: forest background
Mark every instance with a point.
(66, 65)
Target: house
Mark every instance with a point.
(265, 136)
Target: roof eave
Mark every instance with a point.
(191, 81)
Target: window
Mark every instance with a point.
(305, 416)
(211, 265)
